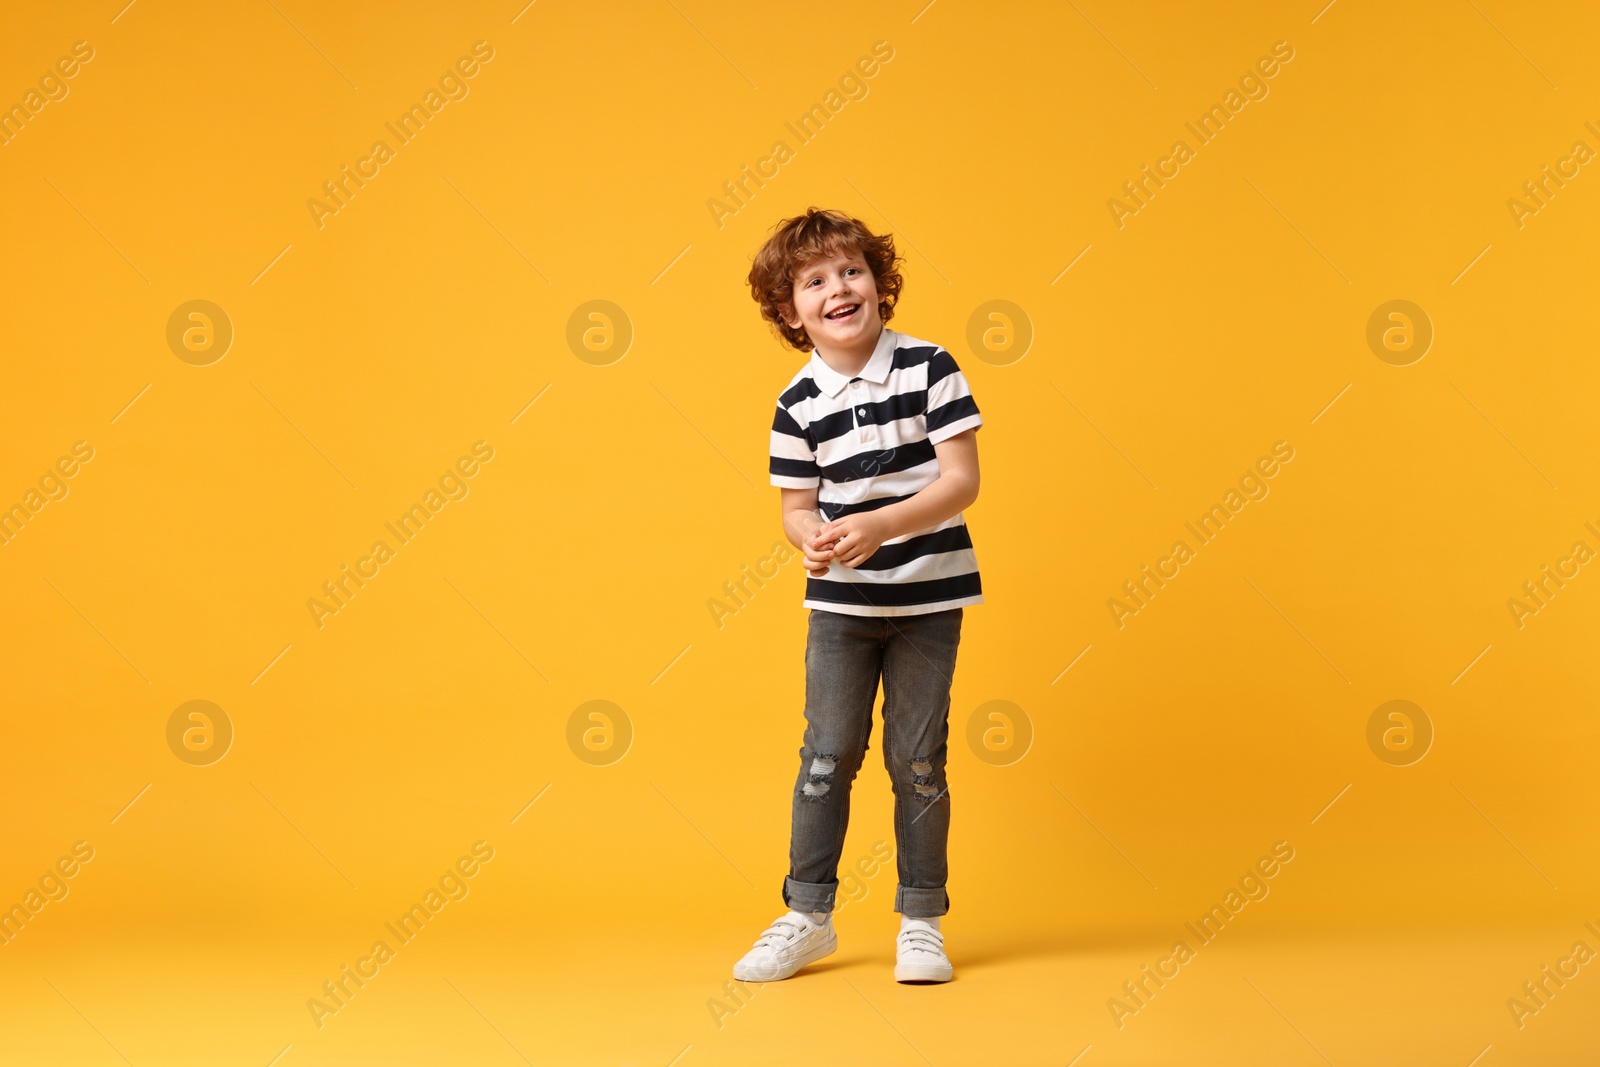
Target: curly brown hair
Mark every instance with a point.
(818, 234)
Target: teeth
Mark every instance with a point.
(841, 311)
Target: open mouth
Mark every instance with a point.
(843, 314)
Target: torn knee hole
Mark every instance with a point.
(820, 778)
(922, 779)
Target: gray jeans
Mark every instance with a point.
(845, 655)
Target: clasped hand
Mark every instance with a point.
(851, 541)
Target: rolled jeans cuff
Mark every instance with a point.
(809, 896)
(921, 903)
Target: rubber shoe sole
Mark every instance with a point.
(777, 970)
(923, 971)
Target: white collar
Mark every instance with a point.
(876, 370)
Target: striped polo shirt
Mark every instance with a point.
(867, 442)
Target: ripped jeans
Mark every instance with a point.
(845, 654)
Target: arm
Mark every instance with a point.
(800, 514)
(955, 489)
(801, 520)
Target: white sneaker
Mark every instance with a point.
(919, 954)
(786, 946)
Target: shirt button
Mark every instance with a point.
(861, 411)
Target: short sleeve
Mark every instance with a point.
(793, 458)
(951, 408)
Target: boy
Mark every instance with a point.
(879, 430)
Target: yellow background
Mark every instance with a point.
(428, 314)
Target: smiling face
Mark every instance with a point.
(836, 301)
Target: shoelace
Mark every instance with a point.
(919, 940)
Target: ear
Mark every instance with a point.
(786, 313)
